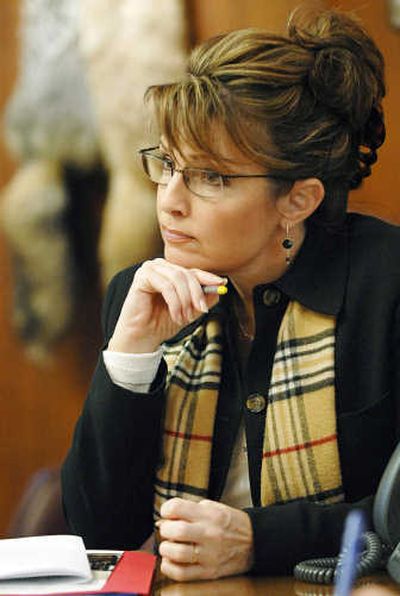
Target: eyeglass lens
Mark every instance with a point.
(204, 183)
(158, 170)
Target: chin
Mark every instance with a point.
(185, 259)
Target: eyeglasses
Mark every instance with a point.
(203, 183)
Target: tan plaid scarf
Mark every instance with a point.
(300, 454)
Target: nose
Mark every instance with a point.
(174, 197)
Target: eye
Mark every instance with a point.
(209, 177)
(226, 181)
(167, 163)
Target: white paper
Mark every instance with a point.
(66, 554)
(38, 556)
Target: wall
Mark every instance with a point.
(39, 406)
(379, 195)
(210, 17)
(8, 21)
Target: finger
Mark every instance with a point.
(179, 572)
(151, 278)
(186, 285)
(204, 277)
(207, 278)
(171, 298)
(178, 530)
(178, 508)
(189, 284)
(199, 299)
(192, 511)
(180, 552)
(211, 299)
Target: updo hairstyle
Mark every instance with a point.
(302, 105)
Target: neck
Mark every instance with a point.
(266, 271)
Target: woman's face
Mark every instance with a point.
(238, 231)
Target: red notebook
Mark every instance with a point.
(133, 574)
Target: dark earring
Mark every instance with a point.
(287, 244)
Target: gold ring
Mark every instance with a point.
(195, 554)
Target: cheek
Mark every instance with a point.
(240, 227)
(233, 238)
(221, 230)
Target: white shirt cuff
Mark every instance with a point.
(134, 372)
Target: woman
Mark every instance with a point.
(247, 425)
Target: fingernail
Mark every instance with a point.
(203, 305)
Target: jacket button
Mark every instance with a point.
(271, 297)
(255, 403)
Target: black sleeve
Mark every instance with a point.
(107, 477)
(286, 534)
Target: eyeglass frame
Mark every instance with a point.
(223, 177)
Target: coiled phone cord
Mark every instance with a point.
(323, 571)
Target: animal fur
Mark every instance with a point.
(48, 121)
(33, 219)
(128, 45)
(84, 68)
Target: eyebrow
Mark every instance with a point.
(202, 160)
(208, 164)
(189, 156)
(225, 166)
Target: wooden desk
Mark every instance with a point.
(257, 586)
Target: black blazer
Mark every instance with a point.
(353, 273)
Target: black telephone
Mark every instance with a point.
(386, 513)
(382, 547)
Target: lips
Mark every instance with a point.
(171, 235)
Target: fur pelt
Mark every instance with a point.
(128, 45)
(33, 218)
(49, 115)
(48, 121)
(84, 68)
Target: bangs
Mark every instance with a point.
(187, 114)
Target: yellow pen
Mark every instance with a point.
(221, 290)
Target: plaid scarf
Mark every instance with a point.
(300, 455)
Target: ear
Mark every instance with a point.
(301, 201)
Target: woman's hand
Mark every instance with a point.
(162, 299)
(204, 540)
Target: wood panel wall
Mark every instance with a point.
(8, 24)
(39, 405)
(379, 194)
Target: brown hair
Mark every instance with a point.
(308, 104)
